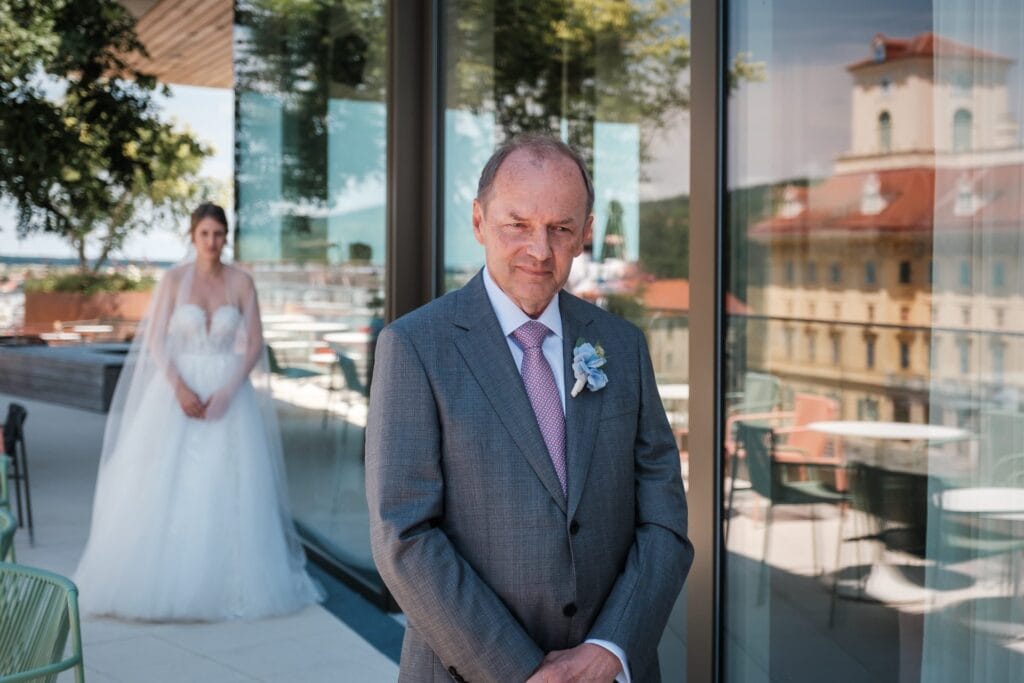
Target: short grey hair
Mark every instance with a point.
(540, 147)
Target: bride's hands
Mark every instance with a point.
(189, 402)
(218, 404)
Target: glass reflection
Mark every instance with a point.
(874, 443)
(311, 143)
(612, 80)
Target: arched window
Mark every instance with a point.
(884, 132)
(962, 123)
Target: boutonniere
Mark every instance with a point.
(587, 360)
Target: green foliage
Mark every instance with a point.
(665, 241)
(90, 283)
(83, 152)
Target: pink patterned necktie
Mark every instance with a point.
(543, 392)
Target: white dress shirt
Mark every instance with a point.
(510, 318)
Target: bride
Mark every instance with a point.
(190, 518)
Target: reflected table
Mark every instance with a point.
(885, 582)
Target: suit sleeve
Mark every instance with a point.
(639, 604)
(460, 617)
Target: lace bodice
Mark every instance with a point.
(191, 332)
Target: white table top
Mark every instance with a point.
(92, 329)
(983, 499)
(309, 326)
(889, 430)
(674, 392)
(354, 337)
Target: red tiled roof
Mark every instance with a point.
(673, 294)
(916, 200)
(925, 45)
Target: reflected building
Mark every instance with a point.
(872, 295)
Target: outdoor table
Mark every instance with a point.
(674, 392)
(885, 582)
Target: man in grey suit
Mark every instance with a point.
(530, 520)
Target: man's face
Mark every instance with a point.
(532, 223)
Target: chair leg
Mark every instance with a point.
(816, 563)
(762, 575)
(28, 494)
(732, 494)
(835, 574)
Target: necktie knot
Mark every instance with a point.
(530, 335)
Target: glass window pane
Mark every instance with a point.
(612, 80)
(311, 144)
(875, 492)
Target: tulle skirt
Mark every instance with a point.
(187, 521)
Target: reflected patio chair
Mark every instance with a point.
(40, 611)
(769, 477)
(351, 390)
(1001, 443)
(14, 447)
(5, 508)
(8, 525)
(797, 439)
(288, 372)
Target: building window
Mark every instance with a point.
(998, 360)
(904, 355)
(812, 346)
(869, 353)
(962, 131)
(964, 348)
(867, 409)
(788, 337)
(884, 132)
(836, 349)
(835, 273)
(870, 274)
(904, 272)
(965, 273)
(998, 274)
(790, 272)
(886, 85)
(811, 272)
(901, 409)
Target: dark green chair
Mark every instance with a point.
(771, 478)
(39, 611)
(8, 525)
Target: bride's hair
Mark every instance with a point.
(207, 210)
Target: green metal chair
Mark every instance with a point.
(770, 478)
(6, 549)
(39, 609)
(8, 525)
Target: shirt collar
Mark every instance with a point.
(511, 317)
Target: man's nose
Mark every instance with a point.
(539, 246)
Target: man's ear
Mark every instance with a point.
(588, 232)
(478, 221)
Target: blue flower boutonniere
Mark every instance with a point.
(587, 360)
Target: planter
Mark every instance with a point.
(43, 309)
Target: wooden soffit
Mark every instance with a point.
(189, 41)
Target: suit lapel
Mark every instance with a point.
(583, 412)
(486, 353)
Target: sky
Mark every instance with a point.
(209, 114)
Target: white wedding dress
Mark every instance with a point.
(187, 522)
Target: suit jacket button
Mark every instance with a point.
(574, 527)
(569, 609)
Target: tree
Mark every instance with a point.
(83, 151)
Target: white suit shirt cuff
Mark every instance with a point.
(623, 676)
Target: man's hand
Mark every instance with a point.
(586, 662)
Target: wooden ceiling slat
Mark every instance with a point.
(189, 42)
(182, 27)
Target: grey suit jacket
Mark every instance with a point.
(492, 564)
